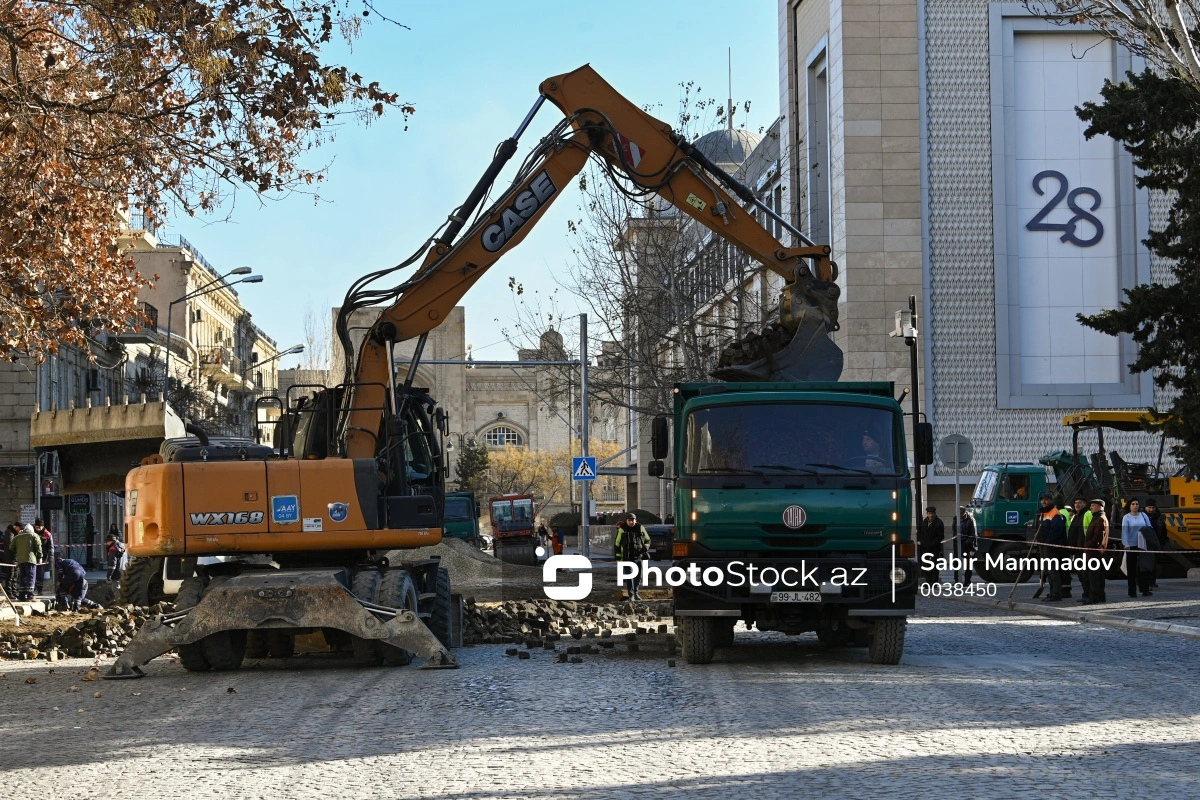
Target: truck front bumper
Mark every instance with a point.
(854, 586)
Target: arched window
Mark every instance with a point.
(502, 436)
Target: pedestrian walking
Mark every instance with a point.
(929, 541)
(632, 543)
(1075, 535)
(1096, 540)
(1134, 542)
(114, 550)
(970, 540)
(72, 585)
(26, 550)
(1160, 532)
(1051, 534)
(43, 570)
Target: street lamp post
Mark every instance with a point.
(211, 286)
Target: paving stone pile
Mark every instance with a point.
(525, 620)
(102, 634)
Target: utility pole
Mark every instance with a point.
(585, 532)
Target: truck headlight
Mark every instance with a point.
(898, 575)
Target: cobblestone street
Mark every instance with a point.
(985, 704)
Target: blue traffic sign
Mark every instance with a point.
(583, 468)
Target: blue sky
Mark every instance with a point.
(472, 70)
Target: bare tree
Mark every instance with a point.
(1161, 31)
(318, 338)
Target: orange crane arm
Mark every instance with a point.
(600, 121)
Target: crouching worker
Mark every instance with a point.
(72, 585)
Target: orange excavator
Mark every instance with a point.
(311, 533)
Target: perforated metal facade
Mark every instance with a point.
(958, 127)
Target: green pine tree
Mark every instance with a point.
(1157, 119)
(472, 466)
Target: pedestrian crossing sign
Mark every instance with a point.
(583, 468)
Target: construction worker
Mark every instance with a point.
(1051, 534)
(632, 543)
(1075, 533)
(26, 550)
(72, 585)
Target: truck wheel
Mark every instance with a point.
(396, 590)
(142, 582)
(1012, 550)
(441, 620)
(723, 631)
(365, 585)
(191, 655)
(699, 640)
(887, 641)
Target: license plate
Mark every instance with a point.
(795, 597)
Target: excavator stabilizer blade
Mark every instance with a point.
(280, 600)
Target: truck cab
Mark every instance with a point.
(797, 496)
(1004, 506)
(461, 518)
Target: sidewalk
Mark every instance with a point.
(1174, 607)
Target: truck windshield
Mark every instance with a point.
(985, 490)
(458, 509)
(800, 438)
(523, 509)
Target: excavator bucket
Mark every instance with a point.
(289, 600)
(798, 347)
(97, 446)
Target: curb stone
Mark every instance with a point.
(1110, 620)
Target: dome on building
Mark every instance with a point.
(727, 148)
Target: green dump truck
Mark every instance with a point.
(461, 520)
(793, 513)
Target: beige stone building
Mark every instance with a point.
(496, 405)
(216, 348)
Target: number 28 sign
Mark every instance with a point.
(1072, 196)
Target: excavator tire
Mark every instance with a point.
(397, 590)
(365, 586)
(191, 655)
(440, 620)
(142, 583)
(224, 650)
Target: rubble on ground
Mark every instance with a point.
(103, 633)
(529, 620)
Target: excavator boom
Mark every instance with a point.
(645, 151)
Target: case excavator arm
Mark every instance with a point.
(645, 151)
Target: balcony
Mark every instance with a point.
(147, 332)
(225, 368)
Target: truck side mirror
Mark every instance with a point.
(442, 420)
(923, 443)
(660, 437)
(656, 469)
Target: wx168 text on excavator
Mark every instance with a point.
(358, 470)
